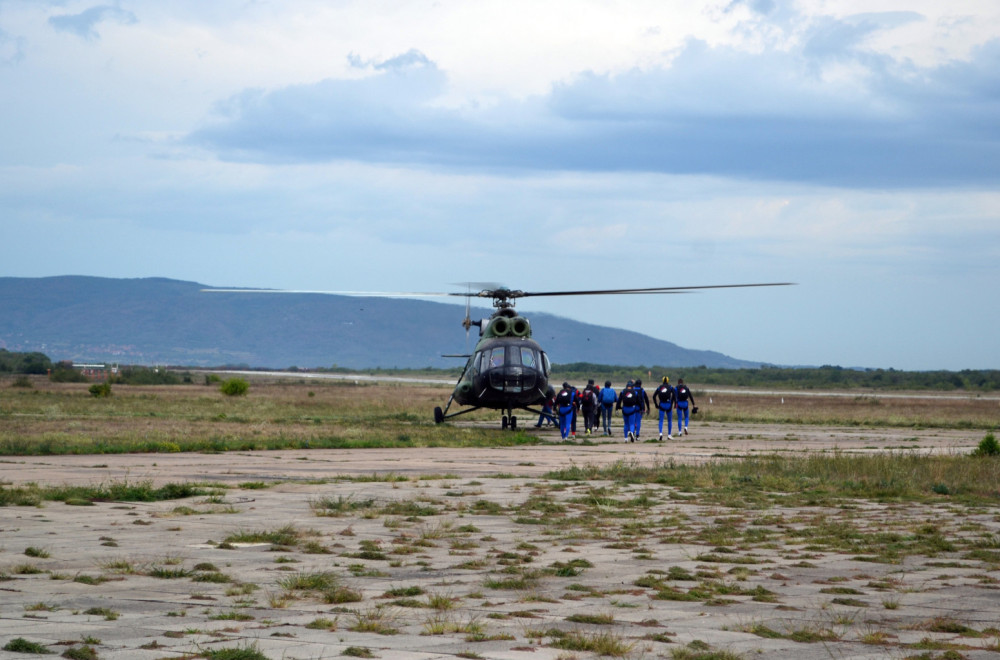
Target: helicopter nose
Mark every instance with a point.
(512, 379)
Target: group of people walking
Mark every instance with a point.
(597, 405)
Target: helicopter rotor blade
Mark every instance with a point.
(468, 321)
(364, 294)
(503, 293)
(648, 290)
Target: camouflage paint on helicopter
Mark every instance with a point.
(508, 370)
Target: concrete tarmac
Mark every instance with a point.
(475, 553)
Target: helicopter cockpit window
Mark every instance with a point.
(528, 357)
(496, 357)
(480, 361)
(545, 364)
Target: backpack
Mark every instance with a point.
(607, 396)
(682, 393)
(664, 396)
(629, 399)
(589, 398)
(564, 398)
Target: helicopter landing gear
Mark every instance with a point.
(508, 421)
(438, 415)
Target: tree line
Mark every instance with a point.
(825, 377)
(24, 363)
(63, 371)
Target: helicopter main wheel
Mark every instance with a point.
(438, 415)
(513, 423)
(503, 423)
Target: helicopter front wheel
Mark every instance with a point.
(438, 415)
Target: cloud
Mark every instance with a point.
(11, 49)
(383, 118)
(84, 24)
(827, 112)
(843, 38)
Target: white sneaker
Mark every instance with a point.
(685, 430)
(661, 437)
(631, 437)
(670, 437)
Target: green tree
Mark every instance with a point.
(24, 363)
(64, 372)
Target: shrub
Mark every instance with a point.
(100, 390)
(21, 645)
(234, 387)
(84, 652)
(240, 653)
(211, 379)
(22, 381)
(988, 446)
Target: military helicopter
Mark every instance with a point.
(507, 370)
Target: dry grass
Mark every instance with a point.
(861, 409)
(64, 418)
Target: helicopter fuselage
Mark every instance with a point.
(507, 371)
(504, 373)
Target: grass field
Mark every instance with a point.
(56, 418)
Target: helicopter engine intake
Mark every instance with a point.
(499, 328)
(503, 326)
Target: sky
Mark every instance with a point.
(850, 147)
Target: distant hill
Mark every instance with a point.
(163, 321)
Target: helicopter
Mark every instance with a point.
(507, 370)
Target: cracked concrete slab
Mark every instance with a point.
(486, 544)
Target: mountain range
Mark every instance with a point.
(162, 321)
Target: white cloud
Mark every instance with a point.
(85, 23)
(713, 111)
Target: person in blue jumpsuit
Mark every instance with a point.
(643, 407)
(685, 400)
(628, 403)
(576, 409)
(566, 408)
(547, 418)
(608, 400)
(664, 399)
